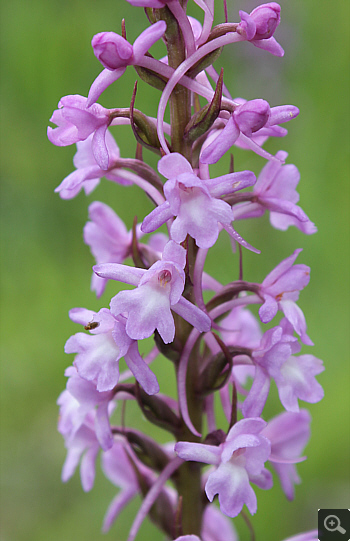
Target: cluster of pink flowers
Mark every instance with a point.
(232, 356)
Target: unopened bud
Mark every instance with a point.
(252, 116)
(267, 18)
(112, 50)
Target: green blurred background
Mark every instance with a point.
(46, 268)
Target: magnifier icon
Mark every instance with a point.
(332, 524)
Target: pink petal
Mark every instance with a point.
(148, 309)
(103, 81)
(99, 147)
(217, 527)
(110, 225)
(242, 441)
(231, 482)
(141, 371)
(230, 183)
(198, 452)
(122, 273)
(87, 468)
(194, 315)
(157, 217)
(250, 143)
(76, 179)
(175, 253)
(223, 142)
(282, 222)
(116, 506)
(174, 164)
(102, 427)
(147, 39)
(152, 495)
(295, 316)
(270, 45)
(281, 268)
(181, 380)
(282, 113)
(70, 463)
(81, 315)
(256, 399)
(248, 25)
(284, 207)
(269, 172)
(237, 237)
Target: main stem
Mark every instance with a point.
(180, 99)
(189, 474)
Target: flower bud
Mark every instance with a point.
(252, 116)
(267, 18)
(112, 50)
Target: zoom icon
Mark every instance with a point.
(333, 524)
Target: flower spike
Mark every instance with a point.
(172, 309)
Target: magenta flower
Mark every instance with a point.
(115, 53)
(117, 467)
(88, 171)
(288, 434)
(294, 376)
(194, 202)
(76, 423)
(110, 242)
(239, 460)
(81, 443)
(75, 123)
(275, 190)
(280, 290)
(84, 424)
(262, 22)
(298, 381)
(241, 328)
(159, 290)
(248, 120)
(244, 332)
(98, 353)
(108, 238)
(216, 526)
(275, 349)
(259, 26)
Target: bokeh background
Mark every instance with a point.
(46, 268)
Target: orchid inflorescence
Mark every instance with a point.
(216, 347)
